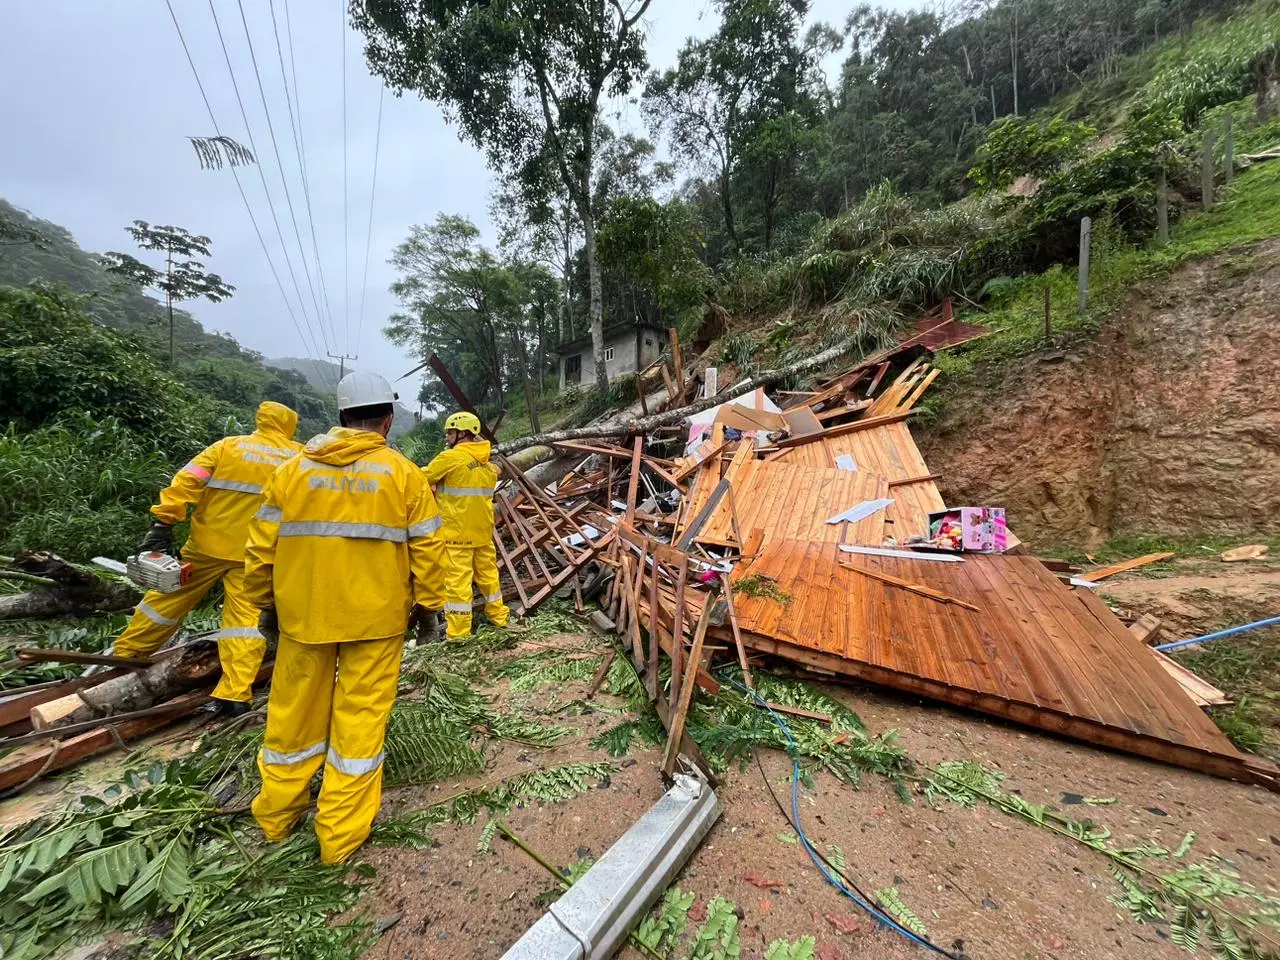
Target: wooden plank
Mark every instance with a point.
(1201, 691)
(16, 770)
(54, 655)
(15, 708)
(1100, 573)
(644, 406)
(680, 711)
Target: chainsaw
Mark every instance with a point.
(151, 571)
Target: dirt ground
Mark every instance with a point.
(983, 882)
(1169, 421)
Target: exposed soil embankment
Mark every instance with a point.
(1169, 422)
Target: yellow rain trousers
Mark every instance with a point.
(315, 720)
(347, 540)
(224, 483)
(464, 481)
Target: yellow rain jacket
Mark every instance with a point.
(346, 542)
(348, 538)
(225, 483)
(464, 481)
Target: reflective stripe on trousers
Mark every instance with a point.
(154, 617)
(354, 766)
(287, 759)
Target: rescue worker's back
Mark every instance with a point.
(346, 542)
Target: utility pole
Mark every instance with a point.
(342, 359)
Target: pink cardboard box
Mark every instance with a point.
(983, 528)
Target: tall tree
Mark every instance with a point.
(183, 278)
(478, 312)
(523, 79)
(721, 87)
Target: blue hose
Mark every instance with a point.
(1178, 644)
(876, 913)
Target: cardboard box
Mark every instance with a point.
(983, 529)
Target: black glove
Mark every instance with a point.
(269, 627)
(158, 539)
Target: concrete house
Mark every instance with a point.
(628, 347)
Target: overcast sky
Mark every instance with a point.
(98, 100)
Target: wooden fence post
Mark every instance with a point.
(1086, 233)
(1162, 208)
(1206, 172)
(1229, 151)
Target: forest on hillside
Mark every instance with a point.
(956, 149)
(96, 416)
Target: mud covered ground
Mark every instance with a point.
(982, 882)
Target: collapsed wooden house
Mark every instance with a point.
(822, 515)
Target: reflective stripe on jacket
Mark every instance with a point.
(346, 541)
(224, 483)
(464, 481)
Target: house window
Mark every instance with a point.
(648, 341)
(608, 354)
(573, 368)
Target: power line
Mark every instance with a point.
(368, 237)
(284, 247)
(315, 353)
(300, 144)
(275, 146)
(346, 236)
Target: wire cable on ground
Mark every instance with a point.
(368, 237)
(271, 206)
(243, 196)
(836, 877)
(284, 180)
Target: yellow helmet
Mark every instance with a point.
(466, 422)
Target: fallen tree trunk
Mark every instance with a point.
(197, 664)
(64, 590)
(668, 418)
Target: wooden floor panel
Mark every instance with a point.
(1034, 643)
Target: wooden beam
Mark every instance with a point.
(677, 359)
(633, 483)
(845, 429)
(681, 713)
(907, 585)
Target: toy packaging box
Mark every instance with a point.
(973, 529)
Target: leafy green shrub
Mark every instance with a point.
(54, 359)
(80, 487)
(1213, 66)
(1026, 146)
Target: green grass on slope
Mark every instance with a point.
(1250, 213)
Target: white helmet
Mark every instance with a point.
(363, 389)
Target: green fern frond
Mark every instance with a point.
(892, 902)
(484, 846)
(423, 747)
(617, 740)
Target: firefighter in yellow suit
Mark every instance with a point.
(464, 481)
(224, 484)
(346, 542)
